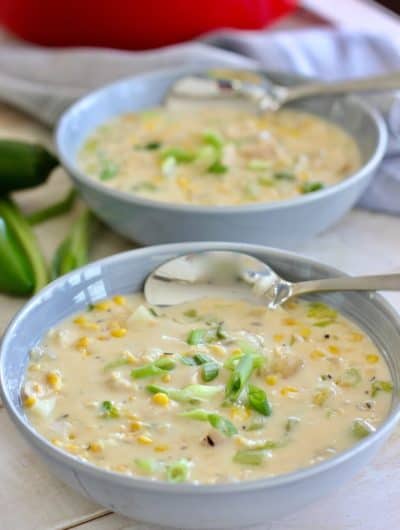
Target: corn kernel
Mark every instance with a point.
(278, 337)
(53, 379)
(132, 359)
(57, 442)
(305, 332)
(320, 397)
(83, 322)
(119, 299)
(135, 426)
(96, 447)
(239, 413)
(356, 337)
(72, 448)
(236, 351)
(317, 354)
(372, 358)
(144, 440)
(333, 349)
(82, 342)
(161, 399)
(166, 378)
(103, 337)
(183, 183)
(217, 349)
(286, 390)
(118, 332)
(102, 306)
(29, 401)
(161, 448)
(271, 379)
(289, 321)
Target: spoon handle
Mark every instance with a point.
(365, 84)
(384, 282)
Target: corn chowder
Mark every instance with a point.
(218, 156)
(207, 392)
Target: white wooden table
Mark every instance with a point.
(363, 242)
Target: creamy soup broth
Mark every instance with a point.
(218, 156)
(207, 392)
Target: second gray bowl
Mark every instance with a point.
(282, 223)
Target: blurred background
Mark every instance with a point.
(153, 23)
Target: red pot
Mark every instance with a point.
(132, 24)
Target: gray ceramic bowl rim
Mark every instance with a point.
(160, 486)
(91, 98)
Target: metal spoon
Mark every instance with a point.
(237, 275)
(269, 95)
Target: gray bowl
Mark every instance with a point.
(188, 505)
(282, 223)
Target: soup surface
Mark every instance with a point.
(207, 392)
(218, 156)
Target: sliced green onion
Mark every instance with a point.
(324, 323)
(350, 377)
(361, 428)
(258, 401)
(147, 465)
(218, 168)
(150, 146)
(188, 360)
(109, 410)
(201, 358)
(109, 170)
(178, 471)
(310, 187)
(217, 421)
(284, 175)
(239, 377)
(116, 364)
(196, 414)
(188, 393)
(377, 386)
(161, 366)
(265, 181)
(168, 166)
(209, 371)
(213, 138)
(256, 164)
(222, 424)
(179, 154)
(204, 336)
(322, 311)
(249, 457)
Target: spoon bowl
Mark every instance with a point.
(237, 275)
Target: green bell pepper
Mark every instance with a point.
(22, 266)
(23, 165)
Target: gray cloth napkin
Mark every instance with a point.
(44, 82)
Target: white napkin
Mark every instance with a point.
(44, 82)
